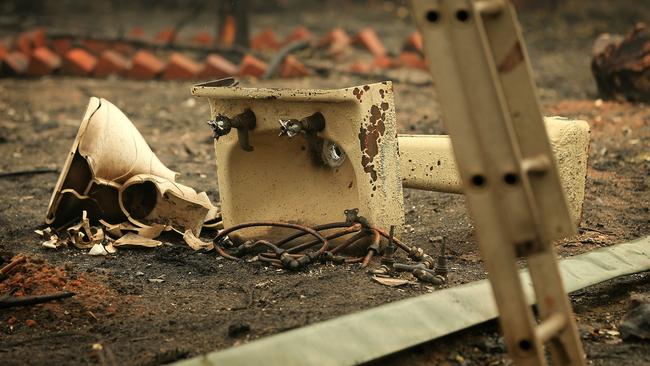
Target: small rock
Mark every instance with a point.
(30, 323)
(458, 359)
(491, 345)
(636, 324)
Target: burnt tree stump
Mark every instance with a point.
(622, 67)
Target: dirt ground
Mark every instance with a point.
(155, 306)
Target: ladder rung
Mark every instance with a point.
(550, 327)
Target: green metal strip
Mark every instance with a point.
(380, 331)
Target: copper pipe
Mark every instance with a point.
(367, 258)
(346, 231)
(223, 253)
(397, 242)
(275, 256)
(371, 250)
(360, 235)
(268, 244)
(354, 260)
(273, 262)
(311, 231)
(334, 225)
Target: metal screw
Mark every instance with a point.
(387, 258)
(441, 264)
(428, 276)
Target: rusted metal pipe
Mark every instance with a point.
(223, 253)
(352, 229)
(349, 242)
(397, 242)
(354, 260)
(305, 229)
(271, 261)
(287, 261)
(372, 249)
(14, 262)
(333, 225)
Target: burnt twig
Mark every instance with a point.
(9, 267)
(278, 58)
(28, 172)
(13, 301)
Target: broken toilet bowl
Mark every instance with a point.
(344, 154)
(107, 151)
(149, 200)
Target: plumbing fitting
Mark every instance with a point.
(225, 242)
(300, 256)
(294, 264)
(243, 122)
(289, 262)
(429, 276)
(331, 257)
(402, 267)
(372, 248)
(309, 125)
(416, 253)
(243, 249)
(441, 264)
(428, 261)
(388, 258)
(332, 154)
(352, 216)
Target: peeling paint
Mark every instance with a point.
(358, 93)
(370, 137)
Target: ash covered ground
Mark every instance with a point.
(144, 323)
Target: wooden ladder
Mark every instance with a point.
(482, 76)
